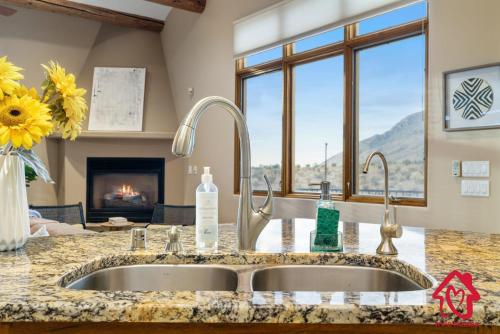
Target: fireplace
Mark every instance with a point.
(124, 187)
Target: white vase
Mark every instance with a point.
(14, 215)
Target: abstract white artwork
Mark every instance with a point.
(117, 99)
(472, 100)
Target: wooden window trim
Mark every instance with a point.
(351, 42)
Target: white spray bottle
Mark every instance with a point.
(207, 213)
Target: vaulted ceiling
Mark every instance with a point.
(143, 14)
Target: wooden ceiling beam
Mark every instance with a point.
(90, 12)
(197, 6)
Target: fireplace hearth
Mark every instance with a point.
(124, 187)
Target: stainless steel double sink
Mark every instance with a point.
(203, 277)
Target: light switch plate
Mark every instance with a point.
(475, 188)
(456, 168)
(475, 168)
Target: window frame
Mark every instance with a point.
(347, 48)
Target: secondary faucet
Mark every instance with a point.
(388, 230)
(250, 222)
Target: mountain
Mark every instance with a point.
(404, 141)
(403, 147)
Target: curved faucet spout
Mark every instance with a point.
(250, 222)
(386, 174)
(388, 230)
(185, 137)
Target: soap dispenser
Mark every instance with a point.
(327, 217)
(207, 231)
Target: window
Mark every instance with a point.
(263, 57)
(351, 90)
(318, 113)
(393, 18)
(319, 40)
(389, 113)
(264, 114)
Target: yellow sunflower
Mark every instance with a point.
(9, 75)
(69, 107)
(23, 90)
(75, 109)
(23, 121)
(64, 83)
(70, 129)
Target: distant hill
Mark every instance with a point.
(403, 147)
(402, 142)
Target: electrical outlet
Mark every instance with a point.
(475, 188)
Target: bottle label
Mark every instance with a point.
(206, 217)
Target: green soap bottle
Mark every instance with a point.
(327, 218)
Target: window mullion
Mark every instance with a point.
(287, 125)
(350, 32)
(287, 51)
(348, 122)
(348, 168)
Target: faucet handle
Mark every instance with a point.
(138, 238)
(393, 230)
(174, 244)
(267, 208)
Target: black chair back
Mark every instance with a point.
(69, 214)
(174, 214)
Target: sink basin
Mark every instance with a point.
(159, 277)
(330, 278)
(214, 277)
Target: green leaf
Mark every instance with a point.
(29, 174)
(32, 160)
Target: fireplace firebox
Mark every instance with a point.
(124, 187)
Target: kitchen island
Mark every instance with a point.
(33, 299)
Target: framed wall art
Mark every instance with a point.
(472, 98)
(117, 99)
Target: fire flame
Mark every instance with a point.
(127, 190)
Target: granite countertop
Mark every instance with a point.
(31, 278)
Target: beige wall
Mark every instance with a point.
(31, 37)
(199, 54)
(462, 33)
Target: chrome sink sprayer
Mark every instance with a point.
(388, 230)
(250, 222)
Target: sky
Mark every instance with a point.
(390, 76)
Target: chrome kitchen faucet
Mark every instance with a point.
(250, 222)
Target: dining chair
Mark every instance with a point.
(164, 214)
(70, 214)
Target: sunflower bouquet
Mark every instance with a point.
(26, 117)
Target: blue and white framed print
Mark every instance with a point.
(472, 98)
